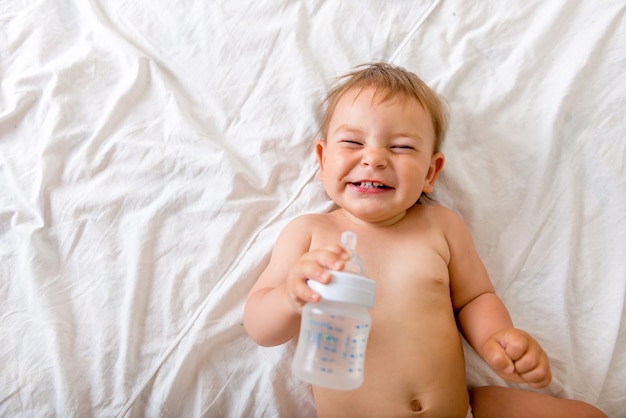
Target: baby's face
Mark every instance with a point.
(378, 156)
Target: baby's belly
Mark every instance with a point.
(418, 371)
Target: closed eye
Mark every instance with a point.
(403, 147)
(351, 142)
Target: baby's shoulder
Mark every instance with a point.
(446, 221)
(309, 222)
(301, 232)
(442, 219)
(436, 213)
(310, 219)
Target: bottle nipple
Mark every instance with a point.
(354, 264)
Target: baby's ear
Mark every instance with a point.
(436, 164)
(320, 151)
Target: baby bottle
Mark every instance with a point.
(334, 331)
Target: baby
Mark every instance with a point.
(379, 154)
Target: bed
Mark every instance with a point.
(151, 151)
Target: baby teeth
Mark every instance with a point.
(371, 184)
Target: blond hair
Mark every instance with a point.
(389, 81)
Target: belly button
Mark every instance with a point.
(415, 405)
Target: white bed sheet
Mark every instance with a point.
(151, 151)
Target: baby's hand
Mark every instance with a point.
(518, 358)
(313, 265)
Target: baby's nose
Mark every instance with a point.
(374, 157)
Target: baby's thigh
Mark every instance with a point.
(497, 401)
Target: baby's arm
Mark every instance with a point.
(511, 352)
(273, 306)
(483, 318)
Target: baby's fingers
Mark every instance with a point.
(537, 378)
(297, 286)
(534, 368)
(497, 358)
(332, 257)
(530, 361)
(514, 342)
(314, 265)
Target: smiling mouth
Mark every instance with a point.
(370, 185)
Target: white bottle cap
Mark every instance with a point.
(346, 287)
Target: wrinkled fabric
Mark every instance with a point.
(150, 153)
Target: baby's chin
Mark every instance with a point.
(374, 217)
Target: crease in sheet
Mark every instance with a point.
(418, 24)
(205, 303)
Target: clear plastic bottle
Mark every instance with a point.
(334, 331)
